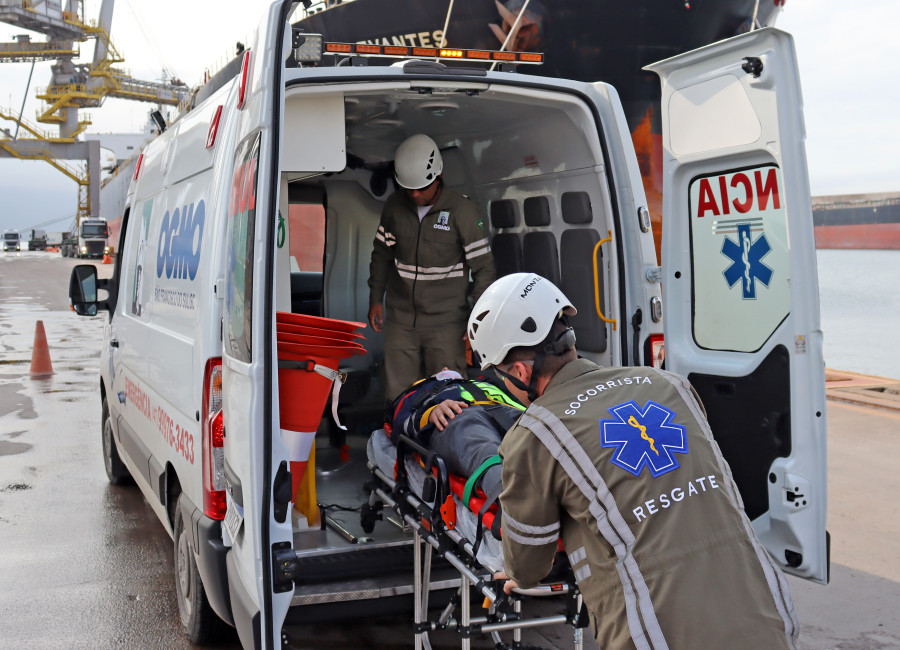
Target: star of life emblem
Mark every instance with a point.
(644, 438)
(746, 261)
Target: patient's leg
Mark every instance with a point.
(466, 442)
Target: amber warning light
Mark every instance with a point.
(365, 49)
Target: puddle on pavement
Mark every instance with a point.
(10, 448)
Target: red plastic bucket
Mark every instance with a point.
(317, 322)
(289, 328)
(323, 339)
(304, 393)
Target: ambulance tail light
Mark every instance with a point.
(213, 442)
(245, 78)
(214, 128)
(137, 167)
(656, 347)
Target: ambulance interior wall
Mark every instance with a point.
(541, 187)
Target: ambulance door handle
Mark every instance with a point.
(597, 282)
(114, 343)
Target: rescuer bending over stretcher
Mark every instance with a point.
(462, 420)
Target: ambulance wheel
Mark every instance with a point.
(116, 471)
(199, 620)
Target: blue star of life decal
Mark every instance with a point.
(746, 261)
(644, 438)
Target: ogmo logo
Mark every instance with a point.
(180, 239)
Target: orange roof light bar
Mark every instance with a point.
(530, 57)
(366, 49)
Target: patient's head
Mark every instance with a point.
(446, 373)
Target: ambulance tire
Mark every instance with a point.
(200, 622)
(116, 471)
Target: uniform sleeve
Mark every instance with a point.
(477, 248)
(382, 259)
(530, 527)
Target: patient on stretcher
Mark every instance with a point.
(462, 420)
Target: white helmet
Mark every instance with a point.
(417, 162)
(518, 310)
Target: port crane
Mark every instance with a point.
(72, 88)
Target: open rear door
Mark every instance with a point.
(740, 282)
(257, 526)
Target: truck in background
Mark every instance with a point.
(89, 239)
(38, 240)
(11, 241)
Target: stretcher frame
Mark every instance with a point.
(430, 529)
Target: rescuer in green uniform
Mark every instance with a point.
(428, 241)
(621, 464)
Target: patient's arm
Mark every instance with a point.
(442, 413)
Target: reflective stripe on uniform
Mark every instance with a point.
(577, 556)
(528, 541)
(385, 237)
(533, 530)
(776, 580)
(412, 272)
(562, 445)
(477, 248)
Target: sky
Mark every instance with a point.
(848, 54)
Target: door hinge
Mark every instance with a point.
(284, 567)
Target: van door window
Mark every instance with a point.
(307, 249)
(138, 285)
(745, 206)
(242, 225)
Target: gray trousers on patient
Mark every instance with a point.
(471, 438)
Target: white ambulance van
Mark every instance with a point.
(266, 197)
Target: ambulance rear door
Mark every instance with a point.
(254, 524)
(740, 284)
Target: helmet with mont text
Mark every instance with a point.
(517, 310)
(417, 162)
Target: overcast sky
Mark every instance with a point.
(849, 57)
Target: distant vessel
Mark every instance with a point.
(857, 221)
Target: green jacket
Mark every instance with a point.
(621, 463)
(421, 270)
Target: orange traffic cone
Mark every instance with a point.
(40, 356)
(106, 259)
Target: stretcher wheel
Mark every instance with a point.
(368, 515)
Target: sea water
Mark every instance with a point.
(859, 295)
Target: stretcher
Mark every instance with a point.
(413, 482)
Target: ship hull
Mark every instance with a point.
(869, 235)
(857, 221)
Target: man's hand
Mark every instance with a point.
(376, 317)
(445, 411)
(509, 585)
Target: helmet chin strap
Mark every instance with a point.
(565, 341)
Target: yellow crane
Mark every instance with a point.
(73, 87)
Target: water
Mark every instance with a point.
(859, 292)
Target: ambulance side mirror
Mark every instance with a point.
(83, 288)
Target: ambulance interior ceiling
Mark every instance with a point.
(502, 133)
